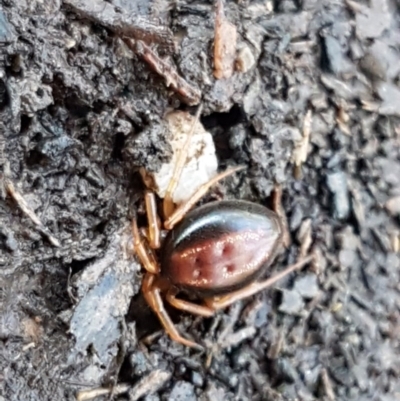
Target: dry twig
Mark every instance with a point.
(173, 80)
(139, 33)
(123, 23)
(21, 202)
(277, 206)
(327, 385)
(7, 187)
(149, 384)
(85, 395)
(304, 238)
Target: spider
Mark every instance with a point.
(217, 251)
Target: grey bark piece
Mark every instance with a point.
(105, 289)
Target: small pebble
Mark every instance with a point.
(292, 302)
(307, 286)
(54, 147)
(286, 370)
(9, 240)
(214, 392)
(139, 363)
(337, 183)
(393, 205)
(197, 379)
(245, 59)
(182, 391)
(336, 54)
(372, 67)
(361, 376)
(347, 258)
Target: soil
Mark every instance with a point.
(81, 113)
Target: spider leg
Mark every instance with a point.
(152, 294)
(187, 306)
(144, 253)
(153, 220)
(182, 209)
(226, 300)
(168, 204)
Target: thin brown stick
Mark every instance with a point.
(280, 211)
(189, 94)
(183, 208)
(225, 36)
(153, 220)
(168, 204)
(21, 202)
(123, 23)
(138, 33)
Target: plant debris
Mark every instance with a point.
(224, 44)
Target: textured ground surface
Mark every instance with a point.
(80, 113)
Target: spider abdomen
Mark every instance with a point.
(220, 247)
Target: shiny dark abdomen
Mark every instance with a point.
(220, 247)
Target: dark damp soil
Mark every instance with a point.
(81, 113)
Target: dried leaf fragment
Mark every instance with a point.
(225, 37)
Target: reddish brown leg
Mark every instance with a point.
(224, 301)
(168, 204)
(180, 211)
(187, 306)
(145, 254)
(153, 220)
(152, 294)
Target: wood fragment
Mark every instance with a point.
(327, 385)
(21, 202)
(189, 94)
(86, 395)
(395, 241)
(354, 6)
(342, 119)
(124, 23)
(139, 33)
(278, 208)
(300, 150)
(149, 384)
(28, 346)
(304, 238)
(225, 37)
(277, 345)
(357, 204)
(318, 263)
